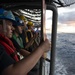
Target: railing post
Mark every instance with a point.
(53, 37)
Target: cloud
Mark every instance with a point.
(69, 16)
(71, 6)
(66, 14)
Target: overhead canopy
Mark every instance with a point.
(63, 3)
(33, 4)
(31, 9)
(33, 15)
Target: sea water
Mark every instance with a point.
(65, 55)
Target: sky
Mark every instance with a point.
(66, 19)
(66, 14)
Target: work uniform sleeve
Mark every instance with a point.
(5, 59)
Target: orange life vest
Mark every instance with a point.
(9, 47)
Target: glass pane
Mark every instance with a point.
(65, 46)
(48, 23)
(48, 35)
(48, 27)
(65, 42)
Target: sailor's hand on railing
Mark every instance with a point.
(46, 45)
(36, 35)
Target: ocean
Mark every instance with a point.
(65, 55)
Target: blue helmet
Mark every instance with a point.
(4, 14)
(19, 22)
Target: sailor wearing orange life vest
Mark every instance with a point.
(5, 16)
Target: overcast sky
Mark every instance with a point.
(66, 14)
(66, 19)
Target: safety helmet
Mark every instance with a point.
(19, 22)
(23, 18)
(30, 23)
(4, 14)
